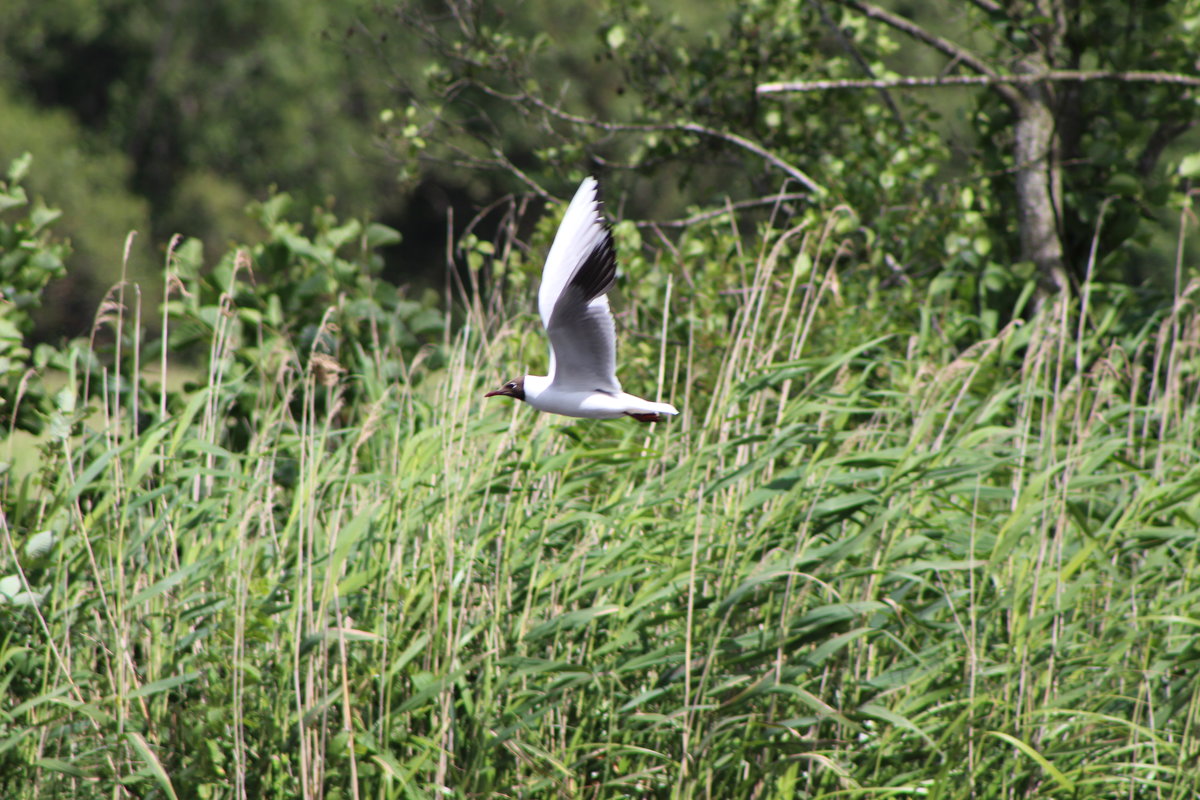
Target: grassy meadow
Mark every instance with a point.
(892, 546)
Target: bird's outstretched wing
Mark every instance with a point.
(572, 301)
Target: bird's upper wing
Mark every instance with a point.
(579, 271)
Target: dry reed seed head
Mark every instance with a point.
(326, 369)
(111, 307)
(175, 287)
(370, 424)
(242, 261)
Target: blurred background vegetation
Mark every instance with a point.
(170, 118)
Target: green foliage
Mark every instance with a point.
(89, 182)
(896, 544)
(186, 113)
(673, 98)
(862, 562)
(671, 95)
(300, 299)
(29, 259)
(661, 94)
(170, 118)
(1117, 139)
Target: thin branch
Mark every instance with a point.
(981, 80)
(753, 147)
(856, 55)
(500, 157)
(690, 127)
(1164, 134)
(990, 6)
(518, 98)
(703, 216)
(945, 46)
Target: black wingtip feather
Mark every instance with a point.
(598, 272)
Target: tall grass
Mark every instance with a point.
(865, 561)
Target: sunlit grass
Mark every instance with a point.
(863, 562)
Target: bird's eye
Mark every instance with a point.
(511, 385)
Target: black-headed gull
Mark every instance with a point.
(573, 303)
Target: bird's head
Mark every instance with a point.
(514, 388)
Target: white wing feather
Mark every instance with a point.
(575, 313)
(581, 230)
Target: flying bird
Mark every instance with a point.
(573, 304)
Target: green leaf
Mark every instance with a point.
(900, 721)
(10, 587)
(343, 234)
(18, 168)
(39, 544)
(1189, 167)
(58, 765)
(1066, 783)
(163, 685)
(1123, 184)
(12, 198)
(156, 768)
(41, 216)
(381, 235)
(166, 584)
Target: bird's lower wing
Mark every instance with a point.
(583, 343)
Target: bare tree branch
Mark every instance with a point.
(704, 216)
(990, 6)
(944, 46)
(856, 55)
(753, 147)
(500, 157)
(981, 80)
(691, 127)
(1166, 132)
(627, 127)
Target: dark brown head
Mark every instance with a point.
(514, 388)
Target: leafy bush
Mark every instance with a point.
(297, 301)
(29, 259)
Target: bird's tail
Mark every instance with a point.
(647, 411)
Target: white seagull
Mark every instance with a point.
(581, 268)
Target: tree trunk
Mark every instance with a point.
(1038, 185)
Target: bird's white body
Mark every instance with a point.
(573, 303)
(542, 395)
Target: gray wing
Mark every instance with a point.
(583, 338)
